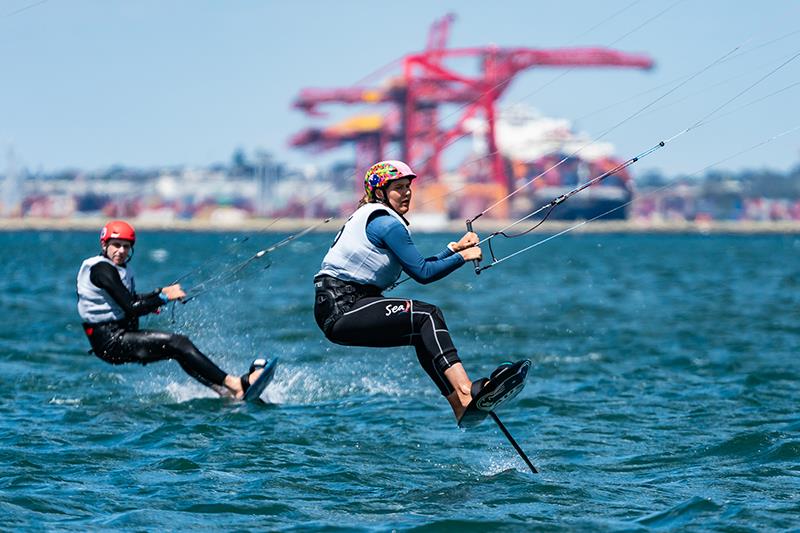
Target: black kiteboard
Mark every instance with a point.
(254, 392)
(505, 383)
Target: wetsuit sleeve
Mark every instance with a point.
(107, 278)
(387, 232)
(444, 254)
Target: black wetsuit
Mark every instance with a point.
(122, 341)
(359, 315)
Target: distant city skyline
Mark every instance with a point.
(92, 84)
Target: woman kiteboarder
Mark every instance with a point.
(367, 256)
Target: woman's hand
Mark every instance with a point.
(469, 240)
(472, 253)
(173, 292)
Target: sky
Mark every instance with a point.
(93, 83)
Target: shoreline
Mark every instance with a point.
(293, 225)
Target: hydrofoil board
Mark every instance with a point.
(257, 387)
(505, 383)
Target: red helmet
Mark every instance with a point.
(117, 229)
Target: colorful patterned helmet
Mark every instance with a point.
(117, 229)
(380, 174)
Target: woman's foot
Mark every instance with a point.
(459, 399)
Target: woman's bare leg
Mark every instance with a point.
(461, 395)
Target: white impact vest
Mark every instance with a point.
(352, 257)
(95, 305)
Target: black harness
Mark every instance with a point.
(335, 297)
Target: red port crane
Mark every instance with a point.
(425, 84)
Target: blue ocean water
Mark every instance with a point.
(663, 394)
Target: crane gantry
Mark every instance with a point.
(416, 96)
